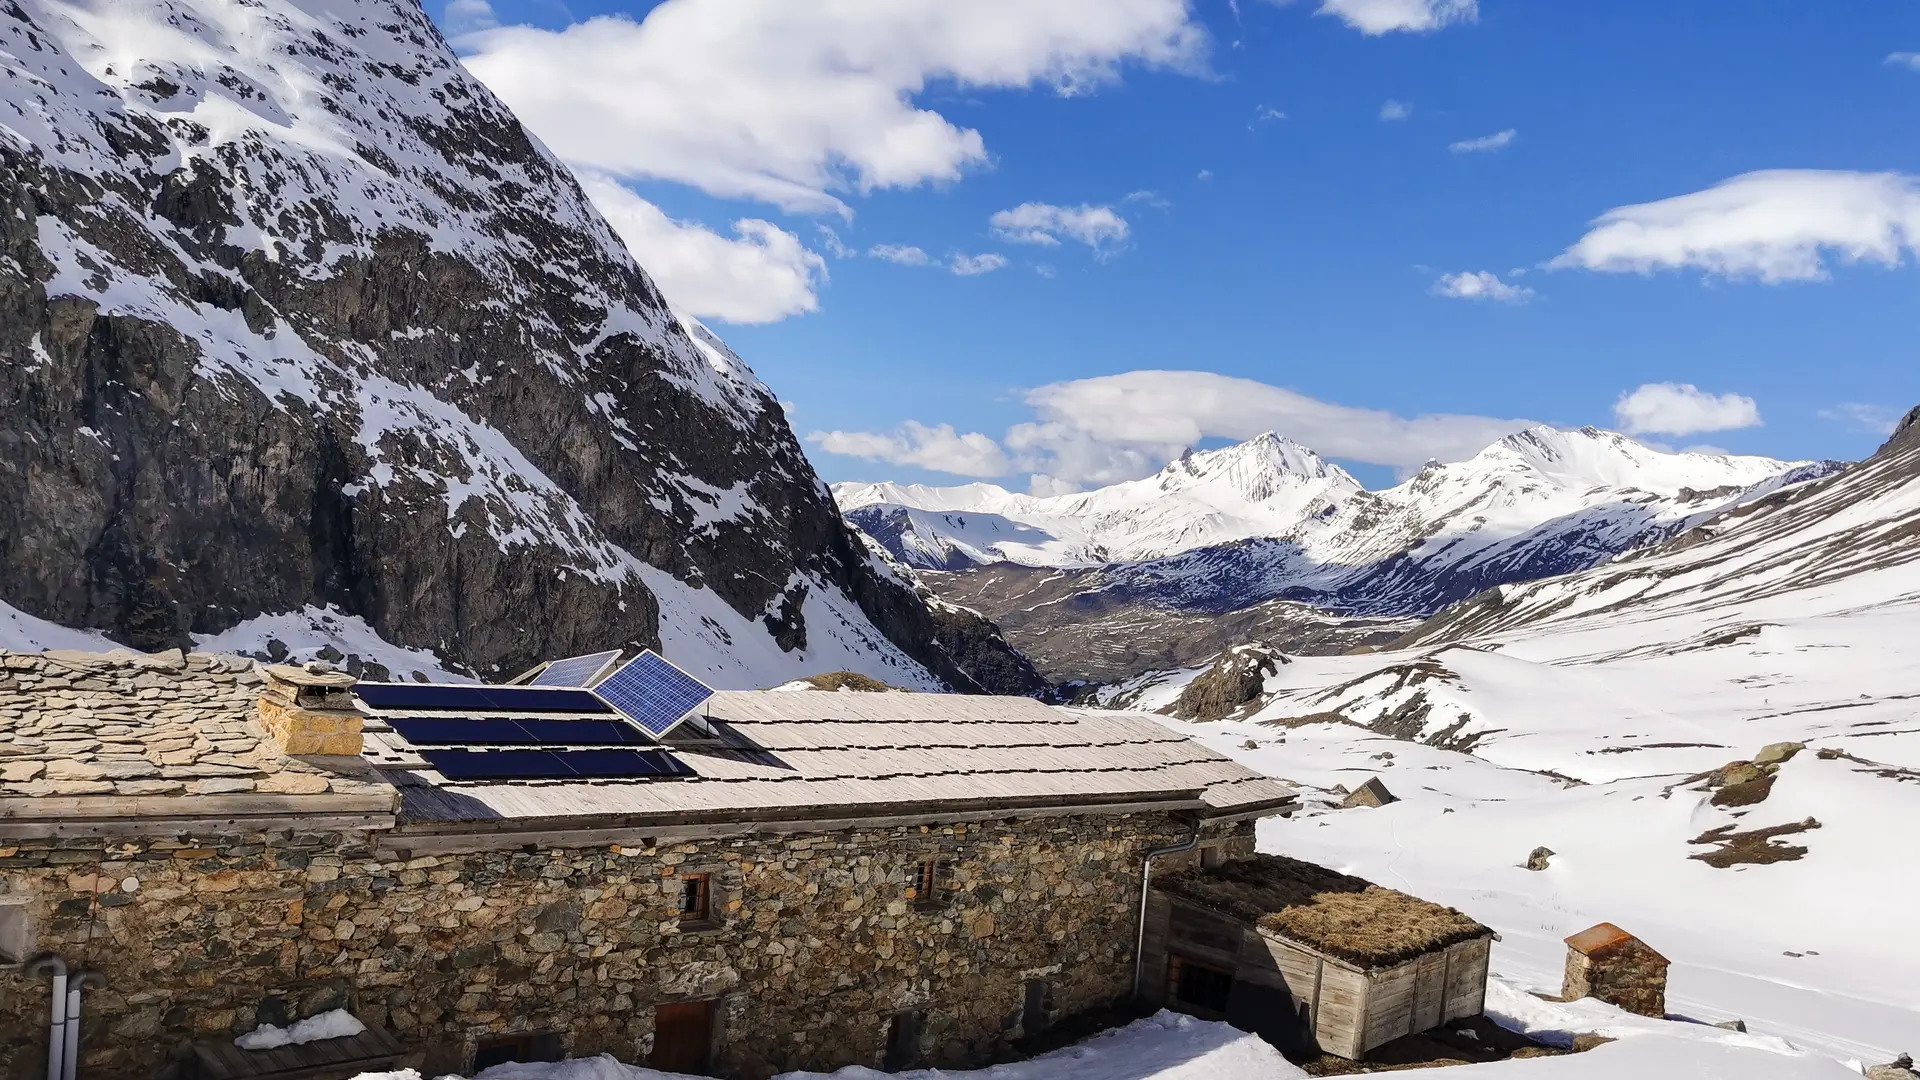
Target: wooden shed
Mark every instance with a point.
(1310, 959)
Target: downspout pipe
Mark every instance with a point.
(71, 1059)
(57, 1027)
(1146, 882)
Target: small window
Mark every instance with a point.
(929, 885)
(903, 1041)
(1201, 989)
(1211, 856)
(543, 1046)
(16, 931)
(696, 899)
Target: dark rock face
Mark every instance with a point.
(378, 353)
(1237, 678)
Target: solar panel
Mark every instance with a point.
(487, 731)
(460, 697)
(652, 693)
(555, 764)
(576, 670)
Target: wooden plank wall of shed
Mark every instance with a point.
(1467, 979)
(1425, 992)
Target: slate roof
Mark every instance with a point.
(791, 754)
(166, 735)
(132, 733)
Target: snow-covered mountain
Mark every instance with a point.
(304, 334)
(1224, 530)
(1266, 486)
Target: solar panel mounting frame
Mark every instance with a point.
(676, 693)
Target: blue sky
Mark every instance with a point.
(1304, 257)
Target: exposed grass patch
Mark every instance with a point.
(1755, 847)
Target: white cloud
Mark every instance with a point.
(970, 265)
(1265, 114)
(904, 254)
(1119, 427)
(461, 17)
(792, 103)
(1776, 226)
(1909, 60)
(1045, 270)
(834, 245)
(1480, 285)
(763, 275)
(1682, 409)
(1499, 140)
(1151, 199)
(1204, 175)
(1373, 17)
(1098, 227)
(1395, 110)
(939, 447)
(1868, 419)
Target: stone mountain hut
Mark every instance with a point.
(1606, 962)
(1311, 959)
(787, 880)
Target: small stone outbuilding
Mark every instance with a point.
(1310, 959)
(1373, 793)
(819, 880)
(1607, 963)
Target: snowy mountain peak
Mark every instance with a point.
(1255, 466)
(1591, 457)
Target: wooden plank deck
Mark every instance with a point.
(324, 1059)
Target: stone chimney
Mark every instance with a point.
(309, 711)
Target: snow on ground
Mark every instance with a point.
(1818, 951)
(332, 1024)
(1166, 1046)
(21, 632)
(1169, 1046)
(728, 651)
(307, 631)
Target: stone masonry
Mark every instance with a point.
(816, 943)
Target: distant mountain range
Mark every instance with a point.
(1266, 540)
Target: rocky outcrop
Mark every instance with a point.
(1238, 678)
(370, 348)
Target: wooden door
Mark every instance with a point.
(682, 1037)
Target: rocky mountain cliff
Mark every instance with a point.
(1266, 541)
(295, 317)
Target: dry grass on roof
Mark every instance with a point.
(849, 680)
(1342, 916)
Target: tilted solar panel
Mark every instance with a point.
(652, 693)
(576, 670)
(461, 697)
(490, 731)
(556, 764)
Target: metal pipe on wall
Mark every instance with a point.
(1146, 881)
(71, 1058)
(57, 1023)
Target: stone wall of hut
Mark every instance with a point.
(816, 942)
